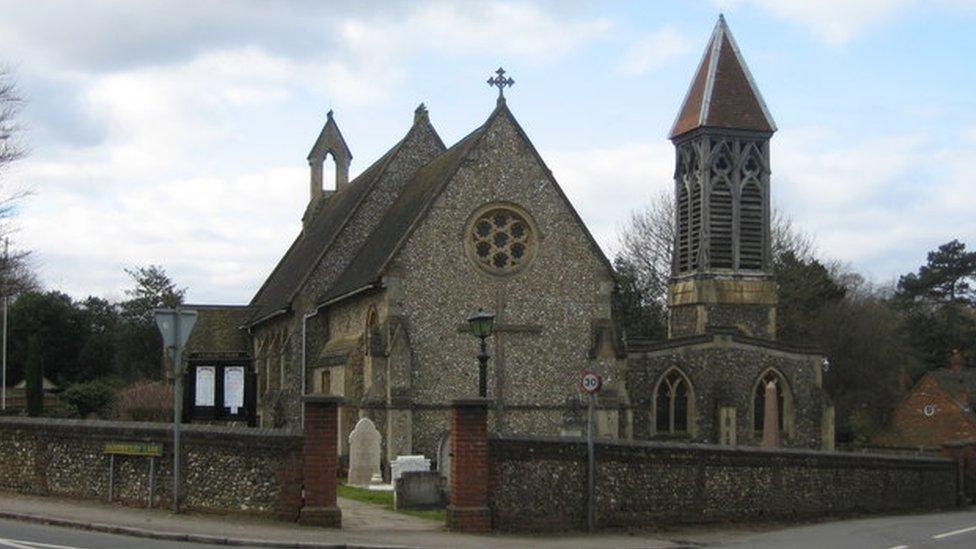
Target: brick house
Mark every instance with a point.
(937, 411)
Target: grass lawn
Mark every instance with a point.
(384, 499)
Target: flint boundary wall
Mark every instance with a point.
(539, 484)
(225, 469)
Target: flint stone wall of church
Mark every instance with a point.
(564, 289)
(724, 373)
(225, 469)
(642, 484)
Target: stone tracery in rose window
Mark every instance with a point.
(502, 240)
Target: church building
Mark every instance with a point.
(371, 299)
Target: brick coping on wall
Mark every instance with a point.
(614, 444)
(142, 428)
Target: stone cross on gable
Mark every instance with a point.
(500, 81)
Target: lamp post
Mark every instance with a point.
(482, 325)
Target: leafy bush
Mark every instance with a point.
(93, 397)
(64, 410)
(145, 401)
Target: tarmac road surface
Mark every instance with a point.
(26, 535)
(950, 530)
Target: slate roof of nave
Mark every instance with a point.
(723, 93)
(366, 268)
(276, 294)
(412, 205)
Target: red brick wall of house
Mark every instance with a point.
(910, 426)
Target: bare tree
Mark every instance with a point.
(16, 275)
(10, 104)
(647, 243)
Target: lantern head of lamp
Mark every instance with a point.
(482, 325)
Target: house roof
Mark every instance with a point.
(723, 93)
(278, 291)
(960, 385)
(412, 205)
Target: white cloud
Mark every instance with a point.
(834, 21)
(653, 51)
(605, 184)
(879, 203)
(218, 236)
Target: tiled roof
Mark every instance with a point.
(960, 385)
(723, 93)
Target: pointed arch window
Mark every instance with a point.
(673, 403)
(720, 212)
(784, 403)
(751, 227)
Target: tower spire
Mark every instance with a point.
(723, 93)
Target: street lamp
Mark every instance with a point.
(482, 325)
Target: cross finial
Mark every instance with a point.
(500, 82)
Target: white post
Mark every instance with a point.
(177, 410)
(591, 465)
(3, 287)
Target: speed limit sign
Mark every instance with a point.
(591, 382)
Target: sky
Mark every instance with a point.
(175, 133)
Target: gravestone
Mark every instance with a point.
(364, 453)
(419, 490)
(403, 464)
(444, 458)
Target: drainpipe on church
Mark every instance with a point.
(305, 356)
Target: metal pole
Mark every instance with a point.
(590, 467)
(3, 392)
(177, 411)
(152, 480)
(111, 476)
(483, 370)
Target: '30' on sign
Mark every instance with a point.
(591, 382)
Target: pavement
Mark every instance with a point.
(364, 525)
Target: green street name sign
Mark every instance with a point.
(134, 449)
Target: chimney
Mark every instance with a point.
(956, 361)
(329, 142)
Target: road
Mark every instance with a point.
(952, 530)
(26, 535)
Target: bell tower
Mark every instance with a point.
(721, 268)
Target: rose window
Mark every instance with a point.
(501, 240)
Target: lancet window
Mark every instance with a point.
(673, 403)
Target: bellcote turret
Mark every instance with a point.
(330, 141)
